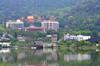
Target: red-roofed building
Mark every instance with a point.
(34, 28)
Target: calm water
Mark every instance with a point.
(48, 57)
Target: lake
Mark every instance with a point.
(48, 57)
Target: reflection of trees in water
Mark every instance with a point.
(22, 56)
(95, 60)
(48, 56)
(6, 56)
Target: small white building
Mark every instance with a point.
(5, 44)
(15, 24)
(5, 50)
(76, 37)
(82, 37)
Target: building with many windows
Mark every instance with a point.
(15, 25)
(50, 25)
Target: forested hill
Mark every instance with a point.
(10, 8)
(88, 7)
(85, 16)
(16, 8)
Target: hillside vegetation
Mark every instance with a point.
(17, 8)
(79, 16)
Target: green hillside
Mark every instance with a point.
(76, 15)
(85, 16)
(17, 8)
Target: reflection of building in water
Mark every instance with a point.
(97, 50)
(45, 51)
(42, 63)
(6, 50)
(51, 53)
(4, 54)
(21, 55)
(77, 57)
(52, 56)
(49, 50)
(39, 53)
(29, 57)
(42, 57)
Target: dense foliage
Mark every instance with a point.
(84, 18)
(76, 16)
(17, 8)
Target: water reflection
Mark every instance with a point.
(97, 50)
(77, 57)
(25, 57)
(5, 50)
(5, 55)
(45, 57)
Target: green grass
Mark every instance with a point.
(2, 28)
(2, 64)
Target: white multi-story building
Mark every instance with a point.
(15, 24)
(50, 25)
(76, 37)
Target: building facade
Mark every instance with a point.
(76, 37)
(50, 25)
(15, 24)
(34, 29)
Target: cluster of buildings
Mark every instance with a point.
(76, 37)
(46, 25)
